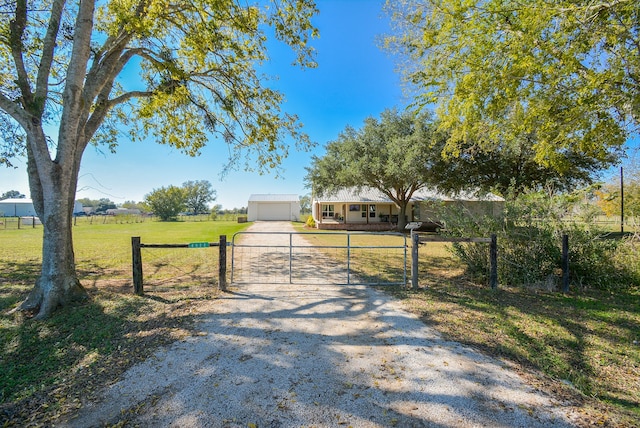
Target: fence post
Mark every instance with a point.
(493, 262)
(565, 263)
(415, 240)
(137, 265)
(290, 258)
(222, 264)
(348, 259)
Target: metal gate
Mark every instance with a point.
(319, 257)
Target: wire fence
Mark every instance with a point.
(179, 265)
(30, 222)
(15, 223)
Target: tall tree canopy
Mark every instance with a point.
(511, 169)
(197, 196)
(12, 194)
(167, 202)
(563, 75)
(393, 154)
(69, 68)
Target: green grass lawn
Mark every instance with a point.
(583, 346)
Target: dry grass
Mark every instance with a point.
(583, 346)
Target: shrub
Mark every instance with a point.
(530, 244)
(310, 222)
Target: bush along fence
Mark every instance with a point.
(136, 246)
(418, 238)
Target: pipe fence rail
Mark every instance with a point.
(314, 257)
(318, 257)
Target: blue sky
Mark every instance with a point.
(354, 80)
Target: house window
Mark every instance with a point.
(328, 211)
(354, 207)
(364, 211)
(372, 210)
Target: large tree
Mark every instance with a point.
(167, 202)
(393, 154)
(178, 71)
(198, 194)
(12, 194)
(511, 169)
(563, 75)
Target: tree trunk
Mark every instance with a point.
(53, 187)
(402, 221)
(58, 284)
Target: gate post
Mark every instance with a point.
(348, 259)
(222, 263)
(136, 258)
(290, 258)
(415, 240)
(493, 262)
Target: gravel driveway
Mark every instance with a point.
(280, 355)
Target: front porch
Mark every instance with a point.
(331, 224)
(357, 216)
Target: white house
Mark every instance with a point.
(370, 209)
(273, 207)
(16, 207)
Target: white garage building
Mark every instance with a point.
(22, 207)
(17, 208)
(273, 208)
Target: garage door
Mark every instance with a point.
(274, 212)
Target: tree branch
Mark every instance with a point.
(13, 109)
(17, 28)
(48, 48)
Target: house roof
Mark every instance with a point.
(16, 201)
(369, 194)
(274, 198)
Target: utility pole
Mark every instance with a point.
(621, 201)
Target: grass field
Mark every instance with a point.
(47, 367)
(582, 346)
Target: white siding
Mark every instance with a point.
(273, 208)
(17, 208)
(274, 211)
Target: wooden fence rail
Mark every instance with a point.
(136, 259)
